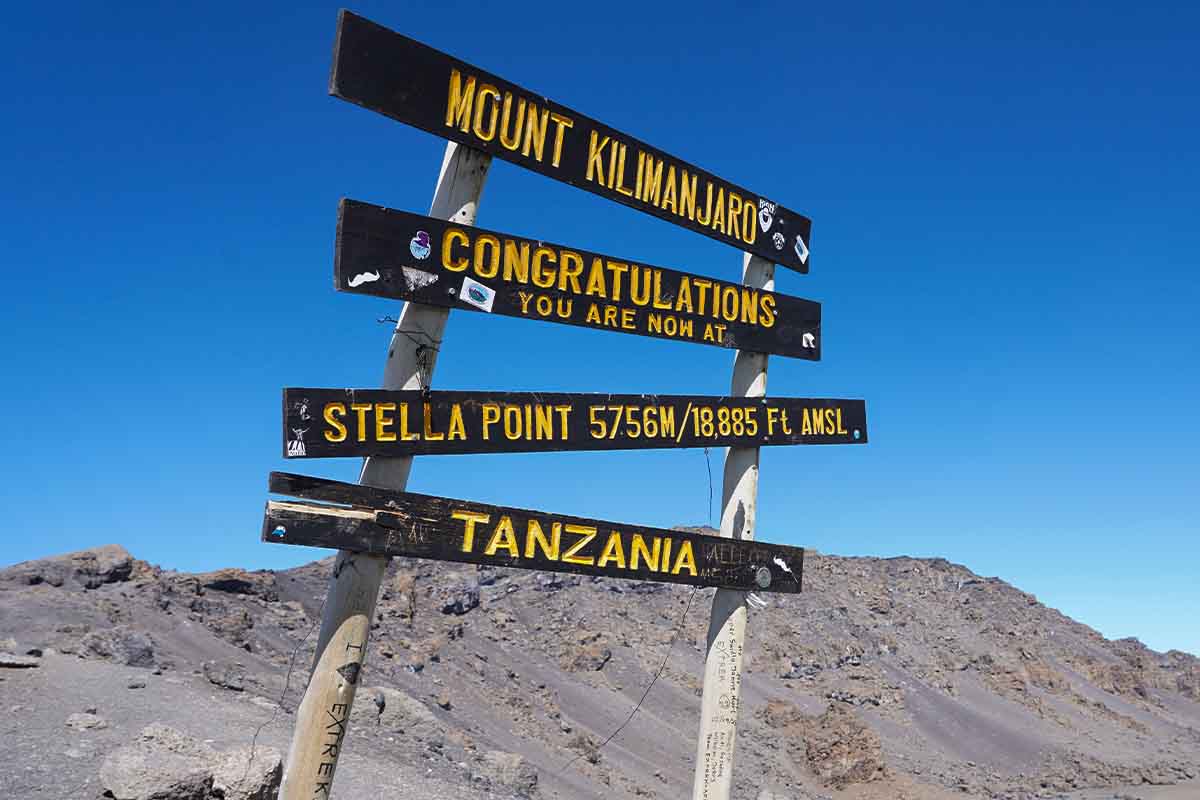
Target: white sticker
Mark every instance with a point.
(295, 447)
(779, 239)
(766, 214)
(417, 278)
(808, 340)
(419, 245)
(363, 277)
(801, 250)
(477, 294)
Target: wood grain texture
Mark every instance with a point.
(384, 522)
(398, 77)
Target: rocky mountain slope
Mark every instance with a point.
(886, 678)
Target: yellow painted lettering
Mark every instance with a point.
(708, 201)
(459, 100)
(512, 423)
(561, 124)
(469, 519)
(718, 219)
(749, 306)
(638, 551)
(489, 132)
(382, 421)
(617, 268)
(639, 285)
(652, 180)
(620, 187)
(536, 124)
(687, 195)
(516, 261)
(332, 412)
(668, 200)
(487, 265)
(535, 539)
(430, 434)
(684, 559)
(595, 153)
(767, 303)
(658, 301)
(614, 550)
(570, 267)
(587, 532)
(503, 537)
(405, 434)
(514, 141)
(683, 300)
(451, 237)
(544, 423)
(491, 415)
(361, 409)
(542, 277)
(596, 280)
(457, 429)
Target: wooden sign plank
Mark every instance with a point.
(388, 253)
(323, 423)
(410, 82)
(384, 522)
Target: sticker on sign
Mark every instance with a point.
(477, 294)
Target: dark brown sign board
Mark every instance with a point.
(323, 423)
(388, 523)
(388, 253)
(410, 82)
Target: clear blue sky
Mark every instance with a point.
(1005, 216)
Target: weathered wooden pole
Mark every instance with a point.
(324, 712)
(720, 702)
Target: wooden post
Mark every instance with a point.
(720, 702)
(324, 712)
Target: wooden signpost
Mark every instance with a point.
(390, 253)
(324, 423)
(411, 82)
(382, 522)
(442, 262)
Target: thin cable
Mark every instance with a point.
(661, 667)
(708, 466)
(287, 679)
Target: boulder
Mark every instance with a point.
(511, 771)
(239, 581)
(841, 749)
(86, 721)
(227, 675)
(100, 565)
(121, 644)
(589, 658)
(13, 661)
(91, 569)
(248, 774)
(392, 710)
(161, 764)
(460, 599)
